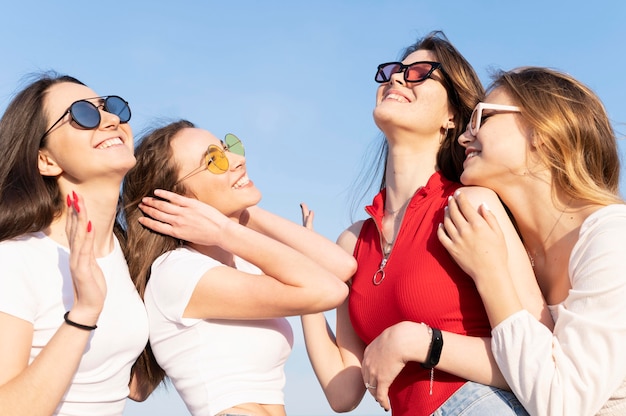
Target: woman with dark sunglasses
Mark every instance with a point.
(71, 322)
(414, 330)
(547, 147)
(218, 274)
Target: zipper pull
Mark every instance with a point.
(379, 276)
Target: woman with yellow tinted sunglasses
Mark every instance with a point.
(218, 274)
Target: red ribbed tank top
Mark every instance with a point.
(422, 284)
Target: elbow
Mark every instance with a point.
(337, 296)
(325, 298)
(347, 269)
(343, 404)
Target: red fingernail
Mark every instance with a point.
(74, 195)
(69, 200)
(76, 207)
(89, 227)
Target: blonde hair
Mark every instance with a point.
(573, 131)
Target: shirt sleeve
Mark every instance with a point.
(174, 278)
(575, 368)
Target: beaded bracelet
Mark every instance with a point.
(76, 324)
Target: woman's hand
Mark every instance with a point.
(387, 355)
(307, 216)
(89, 284)
(473, 237)
(183, 218)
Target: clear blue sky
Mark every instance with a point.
(294, 80)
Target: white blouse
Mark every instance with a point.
(580, 367)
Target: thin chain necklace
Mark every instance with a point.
(543, 244)
(386, 246)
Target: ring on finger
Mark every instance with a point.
(369, 386)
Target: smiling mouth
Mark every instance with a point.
(243, 181)
(397, 97)
(115, 141)
(472, 154)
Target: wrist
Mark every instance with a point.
(434, 350)
(81, 325)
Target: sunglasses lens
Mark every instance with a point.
(418, 72)
(473, 124)
(85, 114)
(217, 162)
(116, 105)
(385, 71)
(234, 145)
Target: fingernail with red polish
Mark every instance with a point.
(89, 227)
(69, 200)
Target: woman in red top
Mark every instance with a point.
(408, 295)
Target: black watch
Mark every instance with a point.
(434, 353)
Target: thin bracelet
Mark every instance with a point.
(76, 324)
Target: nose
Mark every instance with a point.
(108, 119)
(397, 77)
(235, 161)
(466, 138)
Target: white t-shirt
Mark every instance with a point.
(580, 368)
(36, 286)
(214, 364)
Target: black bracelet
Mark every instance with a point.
(434, 351)
(76, 324)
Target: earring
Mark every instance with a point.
(443, 138)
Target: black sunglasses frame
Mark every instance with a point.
(381, 77)
(71, 110)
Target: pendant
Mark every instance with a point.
(379, 276)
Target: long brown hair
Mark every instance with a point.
(155, 169)
(464, 92)
(28, 201)
(574, 133)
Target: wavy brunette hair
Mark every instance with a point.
(28, 201)
(464, 91)
(155, 169)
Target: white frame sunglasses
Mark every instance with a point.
(477, 115)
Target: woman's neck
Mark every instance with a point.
(408, 169)
(101, 208)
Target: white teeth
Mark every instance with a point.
(110, 142)
(397, 97)
(471, 154)
(241, 182)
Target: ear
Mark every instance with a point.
(47, 165)
(535, 141)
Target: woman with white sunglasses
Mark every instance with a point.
(71, 322)
(219, 274)
(543, 141)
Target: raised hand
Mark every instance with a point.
(89, 284)
(183, 218)
(307, 216)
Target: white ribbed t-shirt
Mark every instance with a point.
(213, 364)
